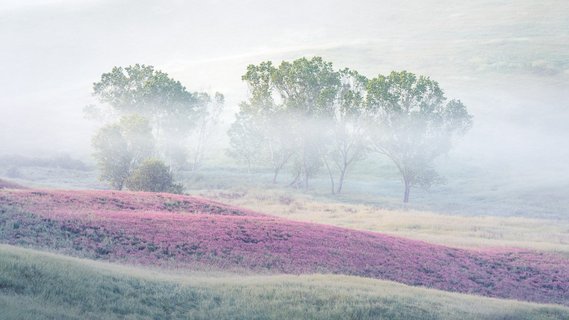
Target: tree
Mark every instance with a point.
(153, 176)
(348, 135)
(165, 102)
(280, 148)
(113, 158)
(412, 124)
(269, 118)
(310, 113)
(245, 140)
(143, 90)
(120, 147)
(304, 91)
(207, 120)
(308, 89)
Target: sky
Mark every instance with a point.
(508, 61)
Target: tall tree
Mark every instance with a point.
(208, 117)
(278, 146)
(165, 102)
(413, 124)
(274, 142)
(311, 114)
(143, 90)
(348, 135)
(306, 89)
(245, 140)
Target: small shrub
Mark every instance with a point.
(153, 176)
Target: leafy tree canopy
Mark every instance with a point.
(144, 90)
(413, 123)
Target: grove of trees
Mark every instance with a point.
(306, 115)
(303, 117)
(149, 115)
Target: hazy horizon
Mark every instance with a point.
(508, 61)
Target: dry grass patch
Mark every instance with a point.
(452, 230)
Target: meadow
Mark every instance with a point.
(468, 190)
(251, 114)
(242, 248)
(461, 231)
(174, 231)
(512, 217)
(33, 286)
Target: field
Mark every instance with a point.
(186, 232)
(33, 286)
(245, 249)
(469, 190)
(284, 160)
(467, 231)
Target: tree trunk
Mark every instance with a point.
(275, 175)
(304, 171)
(295, 180)
(407, 191)
(331, 175)
(341, 180)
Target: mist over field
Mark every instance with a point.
(261, 159)
(507, 61)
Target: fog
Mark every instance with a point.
(508, 61)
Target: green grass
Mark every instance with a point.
(470, 190)
(36, 285)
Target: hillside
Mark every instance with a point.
(32, 286)
(9, 185)
(187, 232)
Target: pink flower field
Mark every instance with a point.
(188, 232)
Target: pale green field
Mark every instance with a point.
(452, 230)
(36, 285)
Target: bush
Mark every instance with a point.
(153, 176)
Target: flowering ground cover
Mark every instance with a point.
(40, 285)
(188, 232)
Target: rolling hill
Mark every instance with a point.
(33, 286)
(173, 231)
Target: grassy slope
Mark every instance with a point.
(42, 285)
(345, 211)
(450, 230)
(141, 228)
(5, 184)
